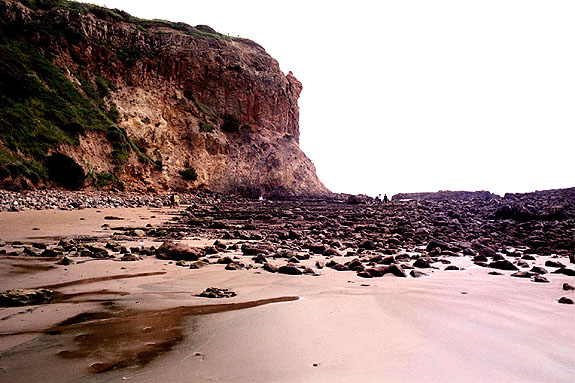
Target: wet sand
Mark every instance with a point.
(143, 321)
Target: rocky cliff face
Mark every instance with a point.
(154, 105)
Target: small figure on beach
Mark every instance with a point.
(174, 200)
(385, 199)
(262, 200)
(378, 199)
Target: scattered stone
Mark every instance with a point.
(198, 264)
(417, 274)
(539, 270)
(448, 268)
(565, 271)
(289, 269)
(568, 287)
(539, 278)
(503, 265)
(214, 292)
(270, 268)
(16, 297)
(65, 261)
(179, 251)
(565, 301)
(551, 263)
(235, 266)
(113, 218)
(523, 274)
(422, 263)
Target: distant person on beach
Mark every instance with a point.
(385, 199)
(378, 199)
(174, 200)
(261, 199)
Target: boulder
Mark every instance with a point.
(565, 271)
(214, 292)
(178, 251)
(551, 263)
(539, 278)
(503, 265)
(422, 263)
(523, 274)
(417, 274)
(289, 269)
(17, 297)
(565, 301)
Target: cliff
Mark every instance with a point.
(93, 97)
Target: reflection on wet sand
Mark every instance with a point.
(118, 337)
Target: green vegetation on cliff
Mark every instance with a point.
(40, 108)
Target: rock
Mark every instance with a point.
(65, 261)
(367, 245)
(565, 301)
(340, 267)
(139, 233)
(330, 252)
(503, 265)
(293, 260)
(551, 263)
(521, 263)
(113, 218)
(388, 260)
(225, 260)
(494, 273)
(395, 270)
(270, 268)
(422, 263)
(523, 274)
(568, 287)
(289, 269)
(235, 266)
(488, 252)
(178, 251)
(565, 271)
(436, 243)
(260, 258)
(355, 265)
(448, 268)
(211, 250)
(16, 297)
(52, 253)
(380, 271)
(130, 258)
(528, 257)
(539, 278)
(539, 270)
(480, 258)
(318, 248)
(417, 274)
(214, 292)
(198, 264)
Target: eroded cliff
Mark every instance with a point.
(144, 104)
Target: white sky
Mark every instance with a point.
(417, 95)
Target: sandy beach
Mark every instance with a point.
(146, 322)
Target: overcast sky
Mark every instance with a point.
(417, 95)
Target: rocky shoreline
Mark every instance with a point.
(407, 237)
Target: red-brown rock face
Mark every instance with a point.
(187, 97)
